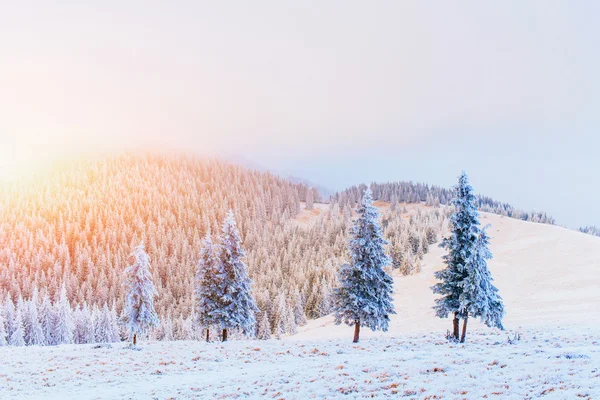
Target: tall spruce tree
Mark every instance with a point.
(207, 297)
(237, 306)
(466, 266)
(364, 297)
(465, 230)
(139, 313)
(479, 298)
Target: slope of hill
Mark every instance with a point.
(547, 276)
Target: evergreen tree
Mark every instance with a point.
(309, 200)
(115, 329)
(207, 296)
(3, 339)
(237, 308)
(47, 317)
(479, 296)
(364, 297)
(34, 334)
(88, 334)
(8, 312)
(460, 246)
(264, 328)
(17, 337)
(63, 324)
(139, 313)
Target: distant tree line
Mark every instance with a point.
(590, 230)
(411, 192)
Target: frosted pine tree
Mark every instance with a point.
(115, 329)
(47, 318)
(479, 296)
(3, 339)
(110, 335)
(34, 334)
(207, 295)
(84, 324)
(63, 323)
(460, 245)
(237, 307)
(8, 312)
(17, 338)
(139, 313)
(264, 328)
(364, 297)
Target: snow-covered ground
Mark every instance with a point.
(562, 364)
(548, 276)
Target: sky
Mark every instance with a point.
(336, 92)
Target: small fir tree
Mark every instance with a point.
(364, 297)
(139, 313)
(207, 296)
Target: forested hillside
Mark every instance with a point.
(78, 225)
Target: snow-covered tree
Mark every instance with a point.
(111, 332)
(47, 318)
(84, 325)
(460, 245)
(299, 307)
(8, 312)
(17, 338)
(237, 308)
(3, 340)
(63, 323)
(115, 328)
(139, 313)
(364, 297)
(309, 200)
(104, 326)
(264, 328)
(479, 297)
(33, 328)
(207, 293)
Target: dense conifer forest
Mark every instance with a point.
(67, 236)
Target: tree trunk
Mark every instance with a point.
(224, 334)
(455, 323)
(134, 339)
(464, 332)
(356, 332)
(207, 334)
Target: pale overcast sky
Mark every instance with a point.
(338, 92)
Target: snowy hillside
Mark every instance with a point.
(547, 276)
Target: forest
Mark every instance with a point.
(67, 236)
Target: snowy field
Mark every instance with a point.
(560, 364)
